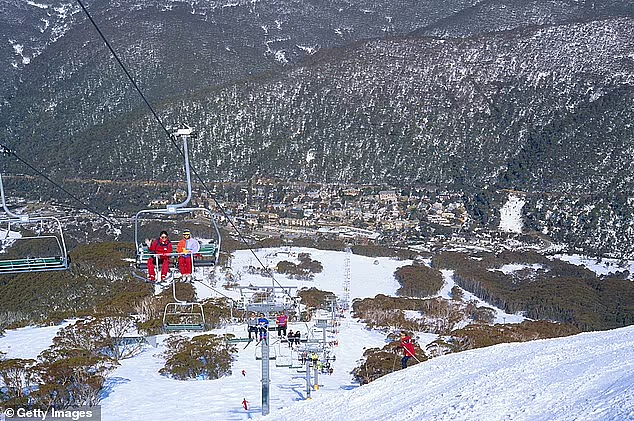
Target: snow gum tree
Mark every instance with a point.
(203, 357)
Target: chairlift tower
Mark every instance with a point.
(346, 280)
(265, 308)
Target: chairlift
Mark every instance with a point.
(284, 359)
(181, 315)
(178, 315)
(180, 215)
(46, 250)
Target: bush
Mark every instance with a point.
(555, 291)
(203, 357)
(418, 281)
(457, 293)
(99, 281)
(436, 315)
(304, 270)
(383, 251)
(62, 379)
(16, 376)
(480, 336)
(379, 362)
(100, 336)
(72, 378)
(217, 312)
(314, 298)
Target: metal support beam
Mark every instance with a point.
(308, 379)
(266, 379)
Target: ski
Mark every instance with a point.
(248, 343)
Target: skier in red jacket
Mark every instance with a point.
(408, 349)
(161, 248)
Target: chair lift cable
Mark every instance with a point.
(8, 152)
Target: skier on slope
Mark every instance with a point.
(408, 348)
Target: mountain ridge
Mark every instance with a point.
(541, 109)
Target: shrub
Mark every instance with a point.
(71, 378)
(217, 311)
(62, 379)
(383, 251)
(556, 291)
(13, 320)
(480, 336)
(16, 376)
(99, 281)
(457, 293)
(379, 362)
(437, 315)
(304, 270)
(100, 336)
(203, 357)
(314, 298)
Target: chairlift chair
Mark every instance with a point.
(178, 315)
(182, 315)
(206, 257)
(209, 252)
(52, 239)
(272, 352)
(284, 359)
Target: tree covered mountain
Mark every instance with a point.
(482, 96)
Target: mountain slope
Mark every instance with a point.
(542, 109)
(584, 377)
(503, 15)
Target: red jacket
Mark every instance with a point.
(408, 346)
(163, 249)
(282, 320)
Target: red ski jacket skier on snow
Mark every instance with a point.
(408, 349)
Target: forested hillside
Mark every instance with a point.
(538, 97)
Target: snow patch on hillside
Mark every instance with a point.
(511, 214)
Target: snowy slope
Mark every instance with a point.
(511, 215)
(585, 377)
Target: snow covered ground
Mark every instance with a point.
(585, 377)
(511, 214)
(603, 266)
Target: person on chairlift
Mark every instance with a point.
(263, 326)
(186, 249)
(252, 326)
(161, 248)
(282, 322)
